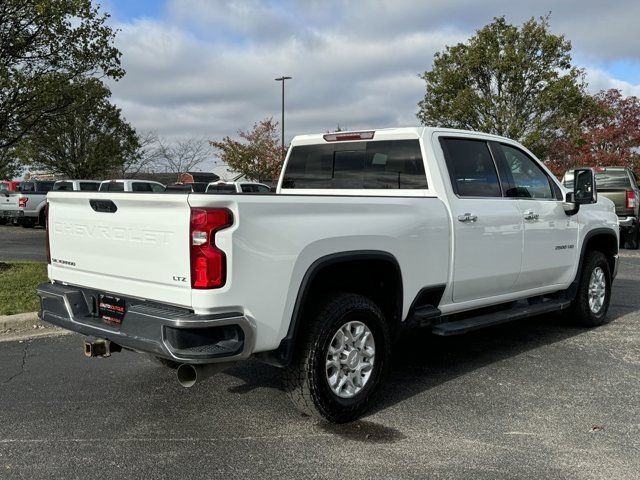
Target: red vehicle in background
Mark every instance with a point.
(9, 185)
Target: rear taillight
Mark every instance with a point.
(632, 201)
(22, 202)
(208, 262)
(46, 228)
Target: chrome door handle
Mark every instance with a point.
(467, 217)
(529, 215)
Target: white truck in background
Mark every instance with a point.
(128, 185)
(237, 187)
(369, 233)
(76, 186)
(26, 206)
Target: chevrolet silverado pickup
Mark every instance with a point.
(369, 233)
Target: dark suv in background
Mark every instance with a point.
(619, 185)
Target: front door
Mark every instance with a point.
(550, 235)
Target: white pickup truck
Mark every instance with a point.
(76, 186)
(27, 205)
(368, 233)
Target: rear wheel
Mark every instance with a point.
(3, 221)
(28, 223)
(42, 221)
(340, 359)
(590, 306)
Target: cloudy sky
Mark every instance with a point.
(206, 67)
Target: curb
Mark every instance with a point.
(26, 326)
(19, 321)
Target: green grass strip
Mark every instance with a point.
(18, 281)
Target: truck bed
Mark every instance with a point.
(142, 249)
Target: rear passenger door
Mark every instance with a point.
(487, 227)
(550, 235)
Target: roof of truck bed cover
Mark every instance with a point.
(388, 134)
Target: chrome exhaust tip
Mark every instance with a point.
(189, 374)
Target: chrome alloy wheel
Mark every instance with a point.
(597, 290)
(350, 359)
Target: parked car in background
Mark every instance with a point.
(76, 185)
(619, 185)
(237, 187)
(26, 206)
(9, 185)
(148, 186)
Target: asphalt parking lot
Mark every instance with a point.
(26, 244)
(532, 399)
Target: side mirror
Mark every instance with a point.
(584, 182)
(570, 206)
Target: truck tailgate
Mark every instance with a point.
(8, 201)
(619, 197)
(141, 249)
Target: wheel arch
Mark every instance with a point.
(604, 240)
(315, 278)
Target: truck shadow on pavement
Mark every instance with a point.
(422, 361)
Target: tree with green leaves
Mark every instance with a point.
(258, 155)
(45, 45)
(9, 163)
(518, 82)
(89, 140)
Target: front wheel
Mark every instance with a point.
(590, 306)
(340, 359)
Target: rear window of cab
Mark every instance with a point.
(386, 164)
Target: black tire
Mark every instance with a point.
(305, 380)
(28, 223)
(580, 311)
(42, 220)
(3, 221)
(632, 238)
(165, 362)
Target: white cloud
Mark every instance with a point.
(600, 80)
(207, 69)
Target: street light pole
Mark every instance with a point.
(282, 79)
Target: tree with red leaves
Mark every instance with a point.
(259, 156)
(608, 136)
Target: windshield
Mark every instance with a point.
(62, 186)
(613, 179)
(221, 188)
(36, 187)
